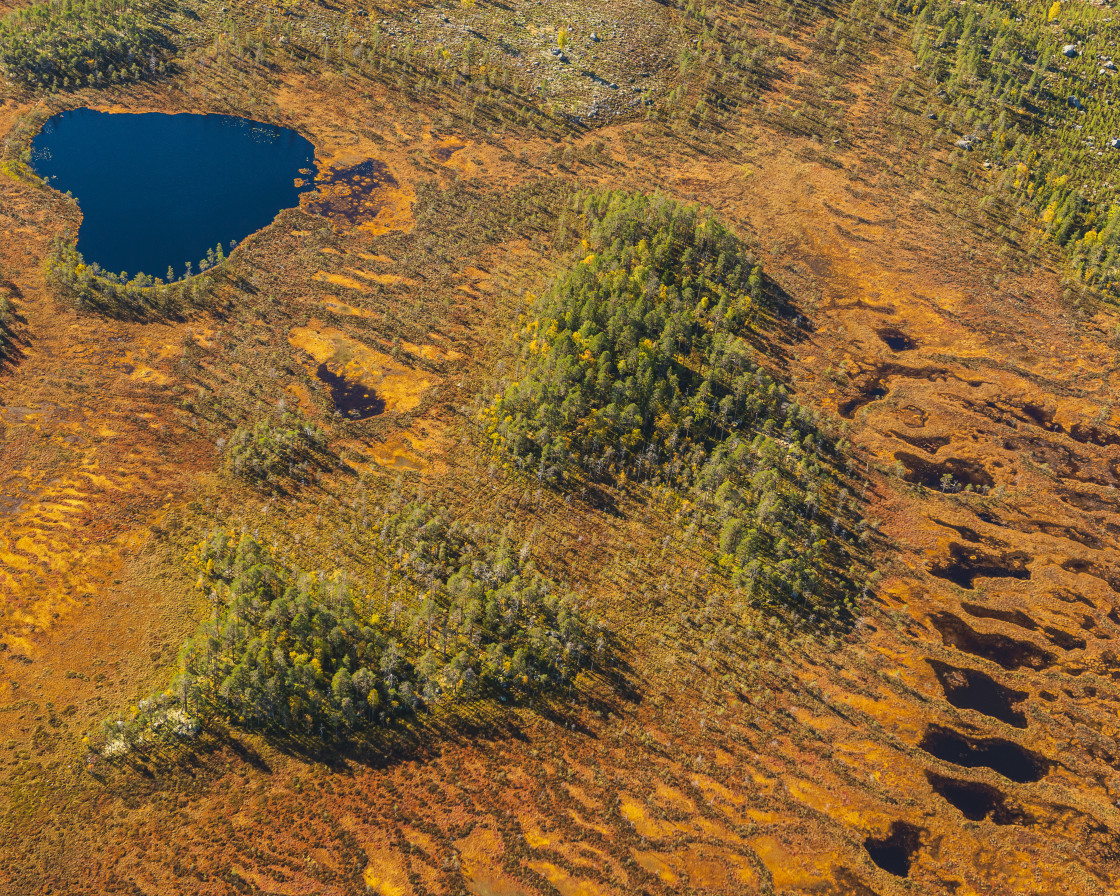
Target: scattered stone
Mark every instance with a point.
(1114, 143)
(968, 141)
(1074, 103)
(1070, 50)
(594, 38)
(1110, 65)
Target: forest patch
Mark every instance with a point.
(461, 614)
(647, 362)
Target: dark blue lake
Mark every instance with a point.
(159, 190)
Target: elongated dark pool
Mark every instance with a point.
(157, 191)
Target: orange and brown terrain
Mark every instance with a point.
(959, 737)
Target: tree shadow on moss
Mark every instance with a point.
(493, 716)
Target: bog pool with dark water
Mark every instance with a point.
(351, 398)
(157, 190)
(1000, 755)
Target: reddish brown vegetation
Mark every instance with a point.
(725, 755)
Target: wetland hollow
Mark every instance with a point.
(157, 191)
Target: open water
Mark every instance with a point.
(158, 190)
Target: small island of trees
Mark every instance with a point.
(644, 363)
(463, 615)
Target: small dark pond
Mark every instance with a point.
(1002, 756)
(895, 852)
(351, 398)
(972, 689)
(965, 565)
(1011, 653)
(976, 800)
(157, 191)
(896, 340)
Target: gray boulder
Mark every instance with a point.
(1070, 50)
